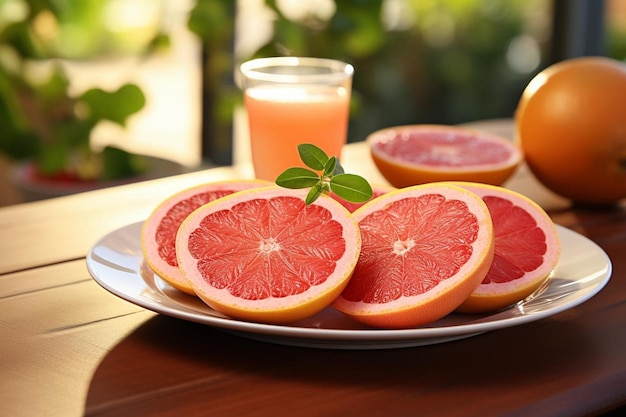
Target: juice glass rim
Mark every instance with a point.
(259, 70)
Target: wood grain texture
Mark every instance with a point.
(70, 348)
(50, 231)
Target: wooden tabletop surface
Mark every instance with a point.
(68, 347)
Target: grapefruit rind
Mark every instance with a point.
(272, 309)
(150, 248)
(377, 191)
(489, 297)
(402, 172)
(448, 294)
(575, 151)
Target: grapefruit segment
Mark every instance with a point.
(527, 249)
(158, 234)
(420, 154)
(425, 249)
(263, 255)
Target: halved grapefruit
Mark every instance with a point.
(419, 154)
(263, 255)
(527, 249)
(158, 234)
(425, 250)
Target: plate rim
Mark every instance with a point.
(338, 338)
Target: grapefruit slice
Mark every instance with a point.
(377, 191)
(158, 234)
(425, 249)
(527, 249)
(263, 255)
(419, 154)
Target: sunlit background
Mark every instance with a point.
(417, 61)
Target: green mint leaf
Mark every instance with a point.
(297, 177)
(312, 156)
(329, 168)
(350, 187)
(314, 193)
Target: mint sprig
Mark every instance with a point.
(326, 174)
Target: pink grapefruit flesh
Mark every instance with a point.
(263, 255)
(527, 249)
(419, 154)
(158, 235)
(425, 249)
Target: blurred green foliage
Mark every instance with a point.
(213, 22)
(433, 62)
(447, 63)
(83, 29)
(616, 39)
(39, 118)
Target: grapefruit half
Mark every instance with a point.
(419, 154)
(158, 234)
(263, 255)
(527, 250)
(425, 249)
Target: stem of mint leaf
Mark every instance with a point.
(326, 174)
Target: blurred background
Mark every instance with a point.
(416, 61)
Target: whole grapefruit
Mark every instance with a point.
(571, 126)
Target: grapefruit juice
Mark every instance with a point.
(282, 117)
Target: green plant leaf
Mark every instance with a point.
(115, 106)
(297, 177)
(312, 156)
(329, 168)
(314, 193)
(351, 187)
(120, 164)
(75, 133)
(211, 20)
(53, 159)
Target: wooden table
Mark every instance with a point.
(70, 348)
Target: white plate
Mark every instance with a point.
(116, 263)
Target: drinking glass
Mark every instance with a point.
(294, 100)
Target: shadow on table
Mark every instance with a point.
(173, 367)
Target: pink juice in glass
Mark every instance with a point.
(282, 117)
